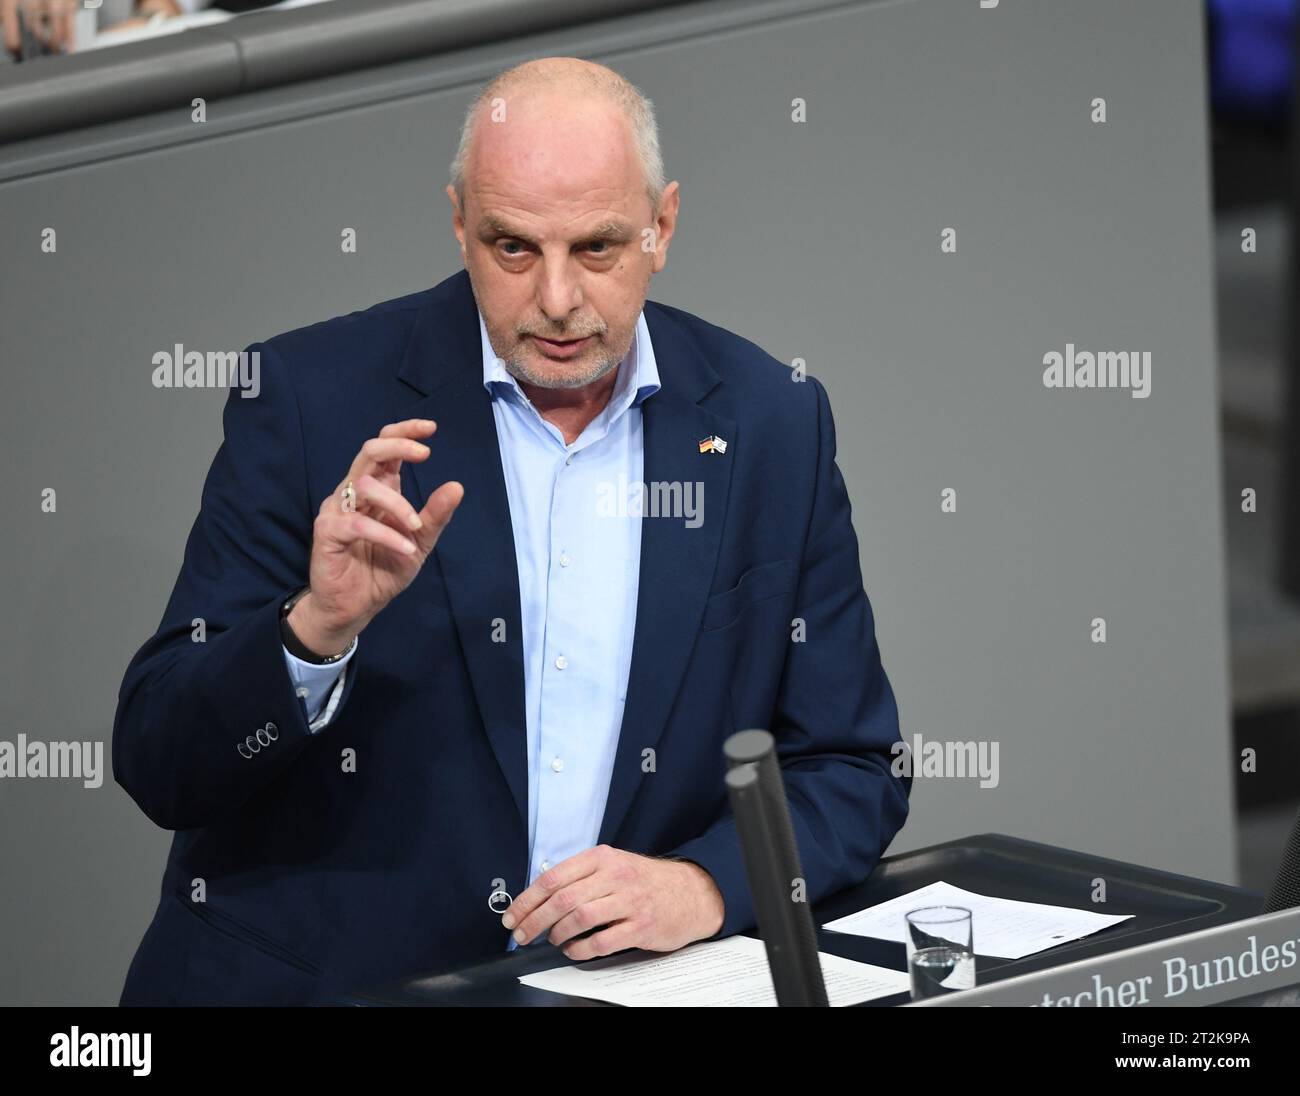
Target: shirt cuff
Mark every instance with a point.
(312, 682)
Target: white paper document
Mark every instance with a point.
(728, 972)
(1002, 928)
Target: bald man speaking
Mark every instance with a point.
(485, 576)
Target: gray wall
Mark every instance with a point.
(818, 241)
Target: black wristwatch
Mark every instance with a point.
(293, 644)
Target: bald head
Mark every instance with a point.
(589, 101)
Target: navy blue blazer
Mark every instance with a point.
(318, 876)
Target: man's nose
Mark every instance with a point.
(559, 294)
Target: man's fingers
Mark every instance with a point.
(382, 456)
(392, 503)
(346, 528)
(409, 428)
(588, 913)
(378, 453)
(578, 866)
(437, 511)
(389, 503)
(617, 937)
(571, 901)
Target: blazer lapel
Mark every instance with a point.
(476, 552)
(677, 561)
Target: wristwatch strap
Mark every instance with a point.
(293, 644)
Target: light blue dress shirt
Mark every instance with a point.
(574, 511)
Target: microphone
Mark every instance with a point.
(762, 814)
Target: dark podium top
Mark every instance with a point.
(1007, 867)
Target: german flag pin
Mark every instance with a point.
(713, 444)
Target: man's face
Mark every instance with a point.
(552, 233)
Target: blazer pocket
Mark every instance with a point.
(757, 584)
(241, 933)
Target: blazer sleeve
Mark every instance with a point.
(835, 720)
(208, 714)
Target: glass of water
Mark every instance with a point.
(940, 950)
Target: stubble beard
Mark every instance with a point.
(522, 369)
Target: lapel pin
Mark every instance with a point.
(713, 444)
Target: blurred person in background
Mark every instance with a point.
(62, 26)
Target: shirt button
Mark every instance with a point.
(546, 865)
(557, 765)
(564, 560)
(568, 459)
(561, 662)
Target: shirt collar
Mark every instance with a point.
(638, 374)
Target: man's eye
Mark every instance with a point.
(511, 243)
(598, 243)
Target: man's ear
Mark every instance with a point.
(665, 224)
(457, 219)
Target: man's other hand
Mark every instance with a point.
(633, 901)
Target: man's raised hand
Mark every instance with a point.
(361, 559)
